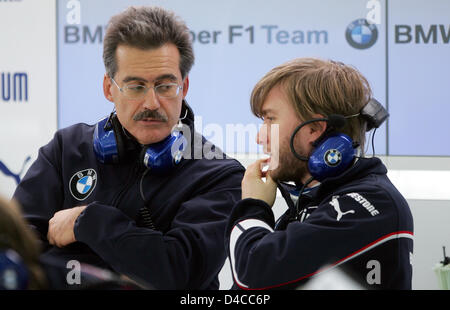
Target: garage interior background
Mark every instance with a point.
(51, 73)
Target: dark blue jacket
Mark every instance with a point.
(163, 230)
(358, 223)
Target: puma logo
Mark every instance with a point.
(335, 203)
(9, 173)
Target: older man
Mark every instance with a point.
(127, 193)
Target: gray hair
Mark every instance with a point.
(147, 27)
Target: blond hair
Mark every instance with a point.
(315, 86)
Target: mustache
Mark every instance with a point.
(150, 114)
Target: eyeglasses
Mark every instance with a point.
(138, 91)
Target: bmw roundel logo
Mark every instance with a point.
(360, 34)
(83, 183)
(332, 157)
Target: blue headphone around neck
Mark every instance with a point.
(158, 157)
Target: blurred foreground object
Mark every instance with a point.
(442, 271)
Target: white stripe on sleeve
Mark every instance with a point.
(236, 232)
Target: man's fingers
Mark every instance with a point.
(49, 234)
(50, 238)
(256, 169)
(270, 181)
(61, 225)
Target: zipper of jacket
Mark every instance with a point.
(144, 212)
(133, 175)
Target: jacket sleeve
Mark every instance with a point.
(40, 192)
(189, 255)
(340, 228)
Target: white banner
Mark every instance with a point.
(28, 116)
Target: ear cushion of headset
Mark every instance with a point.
(118, 133)
(331, 157)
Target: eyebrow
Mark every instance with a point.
(133, 78)
(168, 76)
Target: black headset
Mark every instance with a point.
(333, 151)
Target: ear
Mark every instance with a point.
(185, 86)
(107, 87)
(316, 129)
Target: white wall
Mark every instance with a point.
(28, 49)
(431, 232)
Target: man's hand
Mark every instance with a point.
(254, 187)
(60, 226)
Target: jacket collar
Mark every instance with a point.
(360, 169)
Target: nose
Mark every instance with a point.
(151, 101)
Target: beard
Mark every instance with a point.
(289, 168)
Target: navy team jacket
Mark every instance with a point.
(165, 231)
(358, 223)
